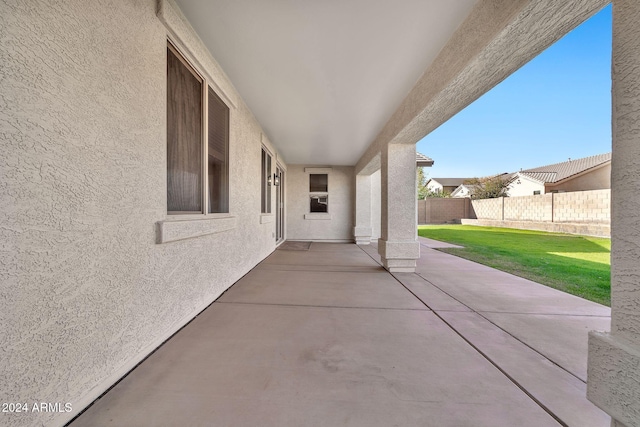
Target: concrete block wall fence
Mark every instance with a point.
(488, 208)
(579, 206)
(528, 208)
(441, 211)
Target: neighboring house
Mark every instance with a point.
(423, 161)
(466, 188)
(445, 185)
(462, 190)
(153, 152)
(588, 173)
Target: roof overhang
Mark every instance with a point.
(423, 161)
(333, 82)
(322, 78)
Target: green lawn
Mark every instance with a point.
(579, 265)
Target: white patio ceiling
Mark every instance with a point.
(323, 77)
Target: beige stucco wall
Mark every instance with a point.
(86, 291)
(597, 179)
(614, 358)
(376, 206)
(337, 225)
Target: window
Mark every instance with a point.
(318, 183)
(266, 181)
(319, 204)
(218, 149)
(536, 192)
(319, 187)
(195, 114)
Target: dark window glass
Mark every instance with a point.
(319, 204)
(266, 182)
(218, 172)
(184, 137)
(318, 183)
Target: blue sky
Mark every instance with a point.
(558, 106)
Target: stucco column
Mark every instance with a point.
(398, 245)
(363, 230)
(614, 358)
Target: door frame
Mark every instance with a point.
(280, 205)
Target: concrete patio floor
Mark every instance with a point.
(327, 337)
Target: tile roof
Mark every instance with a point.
(450, 182)
(423, 160)
(559, 171)
(467, 186)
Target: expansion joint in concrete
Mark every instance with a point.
(478, 350)
(486, 356)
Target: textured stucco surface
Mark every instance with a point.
(613, 377)
(369, 220)
(398, 245)
(363, 227)
(341, 205)
(625, 269)
(170, 231)
(614, 359)
(86, 290)
(376, 189)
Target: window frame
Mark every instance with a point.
(318, 194)
(266, 162)
(206, 86)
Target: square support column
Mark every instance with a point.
(614, 358)
(398, 245)
(363, 229)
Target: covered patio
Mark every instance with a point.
(142, 144)
(319, 334)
